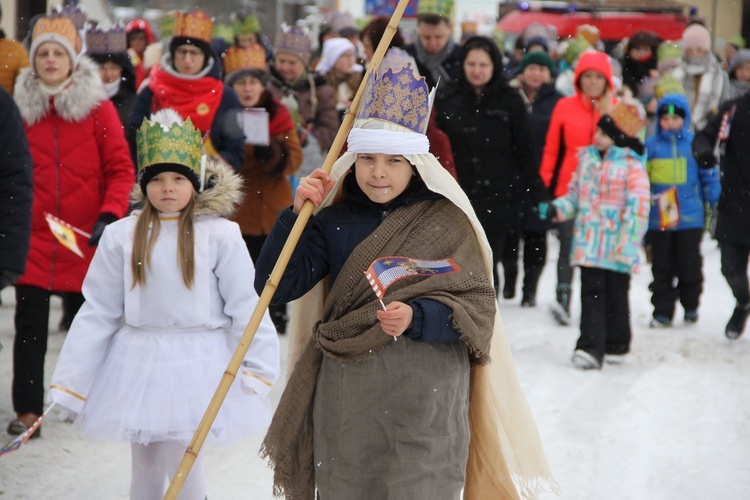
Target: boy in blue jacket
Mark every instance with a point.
(679, 192)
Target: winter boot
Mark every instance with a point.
(737, 322)
(531, 277)
(511, 276)
(561, 308)
(585, 361)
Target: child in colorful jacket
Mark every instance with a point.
(609, 198)
(679, 191)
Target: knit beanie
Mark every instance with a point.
(696, 36)
(540, 58)
(742, 56)
(623, 124)
(670, 109)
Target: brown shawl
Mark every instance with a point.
(349, 331)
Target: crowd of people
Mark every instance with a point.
(148, 144)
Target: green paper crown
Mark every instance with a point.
(224, 31)
(179, 144)
(668, 50)
(247, 25)
(668, 85)
(444, 8)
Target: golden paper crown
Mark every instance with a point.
(627, 118)
(56, 29)
(445, 8)
(195, 24)
(245, 24)
(237, 58)
(166, 139)
(398, 96)
(111, 41)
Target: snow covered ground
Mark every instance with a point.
(671, 423)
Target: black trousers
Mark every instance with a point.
(564, 269)
(677, 266)
(534, 257)
(605, 312)
(734, 260)
(30, 345)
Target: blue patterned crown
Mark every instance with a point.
(398, 96)
(112, 41)
(72, 12)
(294, 39)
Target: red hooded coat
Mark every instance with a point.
(572, 125)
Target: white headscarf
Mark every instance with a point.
(332, 50)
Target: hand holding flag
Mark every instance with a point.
(385, 271)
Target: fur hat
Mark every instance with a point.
(56, 29)
(623, 124)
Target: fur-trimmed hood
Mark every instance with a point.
(222, 195)
(73, 103)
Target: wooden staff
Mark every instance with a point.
(191, 454)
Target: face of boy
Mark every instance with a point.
(382, 177)
(671, 122)
(602, 141)
(169, 192)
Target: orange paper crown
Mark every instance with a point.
(195, 24)
(56, 29)
(237, 58)
(627, 118)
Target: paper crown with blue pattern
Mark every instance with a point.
(112, 41)
(293, 39)
(398, 95)
(72, 12)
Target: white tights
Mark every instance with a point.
(155, 463)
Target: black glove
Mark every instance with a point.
(706, 160)
(263, 154)
(7, 278)
(96, 234)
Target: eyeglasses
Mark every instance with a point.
(188, 52)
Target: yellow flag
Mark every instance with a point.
(64, 233)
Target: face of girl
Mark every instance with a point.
(189, 59)
(592, 83)
(169, 192)
(478, 68)
(246, 40)
(248, 90)
(368, 47)
(602, 141)
(640, 52)
(110, 72)
(289, 66)
(345, 63)
(535, 75)
(52, 63)
(382, 177)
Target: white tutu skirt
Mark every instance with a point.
(155, 385)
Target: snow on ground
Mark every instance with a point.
(672, 422)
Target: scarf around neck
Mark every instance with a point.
(434, 62)
(194, 98)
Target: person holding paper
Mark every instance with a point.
(269, 160)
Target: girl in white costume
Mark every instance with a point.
(168, 295)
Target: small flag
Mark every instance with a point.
(65, 233)
(385, 271)
(669, 208)
(19, 440)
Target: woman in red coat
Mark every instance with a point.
(82, 174)
(571, 126)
